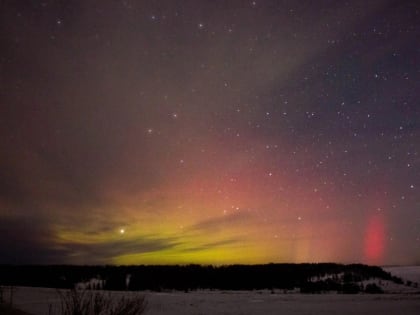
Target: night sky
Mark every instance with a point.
(211, 132)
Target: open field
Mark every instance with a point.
(44, 301)
(39, 301)
(7, 310)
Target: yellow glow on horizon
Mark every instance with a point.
(179, 227)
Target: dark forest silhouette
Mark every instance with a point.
(308, 278)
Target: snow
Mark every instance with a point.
(411, 273)
(404, 300)
(92, 283)
(39, 301)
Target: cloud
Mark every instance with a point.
(28, 241)
(217, 223)
(105, 252)
(212, 245)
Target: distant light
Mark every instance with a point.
(122, 231)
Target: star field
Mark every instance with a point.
(154, 132)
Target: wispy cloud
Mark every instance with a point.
(106, 251)
(221, 222)
(213, 245)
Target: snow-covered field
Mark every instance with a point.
(411, 273)
(40, 301)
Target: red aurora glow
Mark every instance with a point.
(375, 239)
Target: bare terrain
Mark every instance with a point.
(405, 300)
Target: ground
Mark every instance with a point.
(40, 301)
(7, 310)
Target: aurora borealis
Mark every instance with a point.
(213, 132)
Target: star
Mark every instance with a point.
(165, 115)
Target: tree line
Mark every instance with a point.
(309, 278)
